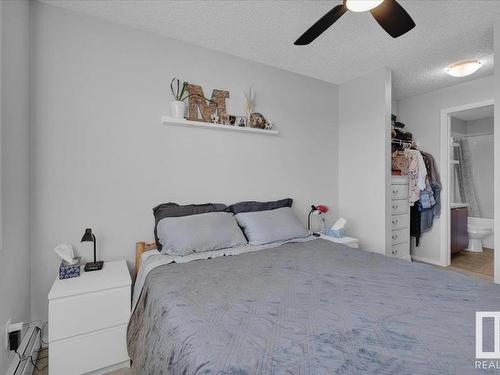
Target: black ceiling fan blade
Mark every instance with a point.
(321, 25)
(393, 18)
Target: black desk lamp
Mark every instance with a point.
(88, 236)
(313, 210)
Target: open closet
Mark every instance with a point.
(415, 190)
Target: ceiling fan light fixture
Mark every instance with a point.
(362, 5)
(463, 68)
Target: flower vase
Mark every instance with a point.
(177, 109)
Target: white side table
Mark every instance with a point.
(88, 317)
(348, 241)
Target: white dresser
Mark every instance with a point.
(88, 317)
(400, 218)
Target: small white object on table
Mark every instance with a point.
(348, 241)
(88, 317)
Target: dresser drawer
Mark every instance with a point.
(400, 221)
(399, 180)
(399, 206)
(85, 353)
(399, 191)
(399, 236)
(401, 250)
(89, 312)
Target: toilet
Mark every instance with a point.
(478, 229)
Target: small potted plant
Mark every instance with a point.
(177, 106)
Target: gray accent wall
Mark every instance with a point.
(101, 158)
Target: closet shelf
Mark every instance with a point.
(167, 120)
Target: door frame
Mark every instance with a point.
(445, 133)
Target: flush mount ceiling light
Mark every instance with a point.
(362, 5)
(463, 68)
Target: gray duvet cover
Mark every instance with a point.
(307, 308)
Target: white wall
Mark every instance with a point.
(458, 127)
(14, 256)
(101, 158)
(481, 126)
(496, 95)
(481, 148)
(364, 151)
(422, 116)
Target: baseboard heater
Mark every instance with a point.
(23, 364)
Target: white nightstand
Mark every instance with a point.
(348, 241)
(88, 317)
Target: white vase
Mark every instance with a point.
(177, 109)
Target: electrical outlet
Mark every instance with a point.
(6, 333)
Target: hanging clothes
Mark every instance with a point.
(424, 188)
(411, 163)
(422, 170)
(415, 224)
(434, 180)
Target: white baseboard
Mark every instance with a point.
(427, 260)
(108, 369)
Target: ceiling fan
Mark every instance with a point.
(388, 13)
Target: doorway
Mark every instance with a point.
(467, 154)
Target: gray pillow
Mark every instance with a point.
(252, 206)
(199, 233)
(263, 227)
(172, 209)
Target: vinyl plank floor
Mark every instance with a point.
(478, 264)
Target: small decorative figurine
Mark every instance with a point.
(258, 121)
(215, 118)
(242, 122)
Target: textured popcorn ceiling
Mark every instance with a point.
(264, 31)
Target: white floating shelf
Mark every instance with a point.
(200, 124)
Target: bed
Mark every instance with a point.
(306, 307)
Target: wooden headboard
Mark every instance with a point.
(141, 247)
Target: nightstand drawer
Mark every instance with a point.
(85, 353)
(88, 312)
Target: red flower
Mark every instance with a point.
(322, 208)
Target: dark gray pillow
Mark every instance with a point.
(172, 209)
(185, 235)
(253, 206)
(262, 227)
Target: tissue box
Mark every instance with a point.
(68, 271)
(337, 233)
